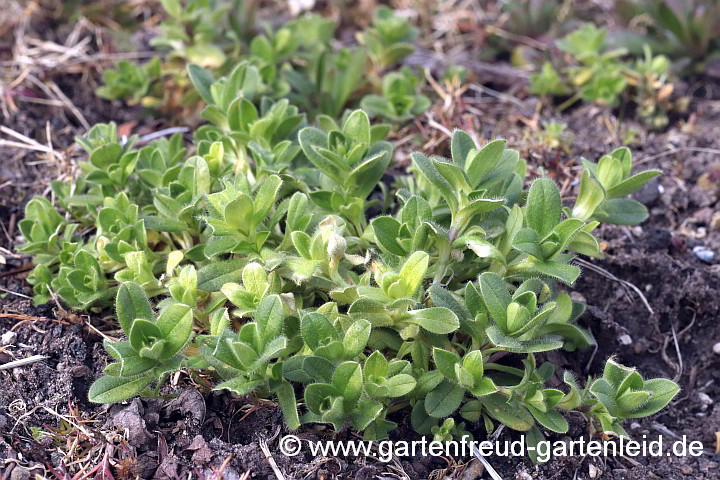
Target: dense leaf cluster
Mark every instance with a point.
(268, 272)
(296, 62)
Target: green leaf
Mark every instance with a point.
(357, 127)
(428, 169)
(269, 316)
(444, 399)
(485, 161)
(286, 399)
(367, 174)
(116, 389)
(438, 320)
(175, 324)
(533, 439)
(544, 206)
(254, 279)
(400, 385)
(376, 365)
(201, 80)
(632, 184)
(143, 333)
(513, 416)
(212, 277)
(473, 363)
(239, 214)
(356, 338)
(589, 198)
(621, 211)
(387, 231)
(239, 385)
(316, 329)
(413, 271)
(495, 294)
(552, 420)
(445, 362)
(460, 145)
(131, 303)
(348, 379)
(265, 198)
(662, 391)
(317, 393)
(311, 141)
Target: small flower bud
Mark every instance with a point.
(336, 246)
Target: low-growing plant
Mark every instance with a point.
(270, 274)
(210, 47)
(683, 29)
(133, 82)
(399, 101)
(191, 32)
(598, 74)
(555, 135)
(389, 39)
(289, 288)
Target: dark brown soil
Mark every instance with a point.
(192, 433)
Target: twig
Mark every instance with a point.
(53, 412)
(438, 126)
(14, 293)
(677, 150)
(268, 456)
(494, 93)
(23, 361)
(162, 133)
(493, 473)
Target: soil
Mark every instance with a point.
(652, 302)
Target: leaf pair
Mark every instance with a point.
(151, 349)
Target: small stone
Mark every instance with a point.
(705, 398)
(523, 476)
(578, 297)
(20, 473)
(625, 339)
(8, 338)
(473, 471)
(715, 221)
(637, 231)
(593, 471)
(704, 254)
(634, 426)
(716, 348)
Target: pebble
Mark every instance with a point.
(593, 471)
(625, 339)
(705, 398)
(8, 338)
(20, 473)
(716, 348)
(704, 254)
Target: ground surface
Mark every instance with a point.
(652, 301)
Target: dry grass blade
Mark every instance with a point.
(268, 456)
(27, 143)
(22, 362)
